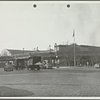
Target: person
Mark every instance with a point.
(87, 63)
(57, 63)
(44, 64)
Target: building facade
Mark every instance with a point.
(62, 55)
(84, 55)
(20, 57)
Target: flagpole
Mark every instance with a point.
(74, 49)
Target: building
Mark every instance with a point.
(20, 57)
(84, 54)
(10, 55)
(62, 55)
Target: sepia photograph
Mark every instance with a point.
(49, 49)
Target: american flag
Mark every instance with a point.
(73, 33)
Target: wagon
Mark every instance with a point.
(34, 63)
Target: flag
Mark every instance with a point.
(73, 33)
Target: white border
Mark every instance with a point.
(50, 2)
(49, 98)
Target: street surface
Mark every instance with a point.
(61, 82)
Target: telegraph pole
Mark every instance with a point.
(74, 49)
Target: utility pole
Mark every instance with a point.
(74, 49)
(56, 59)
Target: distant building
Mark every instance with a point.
(62, 55)
(12, 55)
(22, 56)
(84, 54)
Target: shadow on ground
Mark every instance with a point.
(10, 92)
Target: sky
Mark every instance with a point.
(23, 26)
